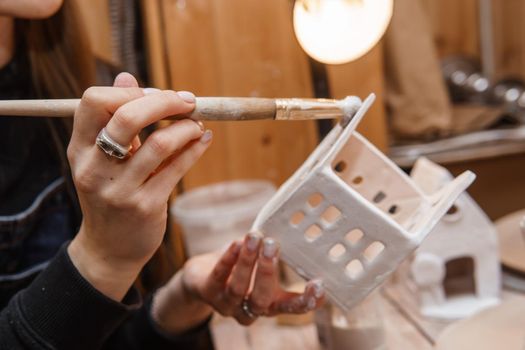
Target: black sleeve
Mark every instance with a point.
(140, 332)
(61, 310)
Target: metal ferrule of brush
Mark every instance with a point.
(304, 109)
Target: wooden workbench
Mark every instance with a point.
(405, 329)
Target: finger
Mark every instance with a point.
(243, 319)
(124, 80)
(132, 117)
(266, 278)
(161, 144)
(218, 277)
(240, 279)
(135, 144)
(96, 108)
(295, 303)
(162, 183)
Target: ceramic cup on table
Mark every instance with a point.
(361, 328)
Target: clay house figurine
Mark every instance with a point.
(350, 216)
(455, 271)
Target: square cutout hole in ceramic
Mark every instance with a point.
(340, 166)
(336, 252)
(393, 210)
(354, 269)
(354, 236)
(315, 200)
(378, 198)
(312, 233)
(331, 215)
(297, 218)
(453, 214)
(357, 180)
(373, 251)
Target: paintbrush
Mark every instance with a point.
(210, 108)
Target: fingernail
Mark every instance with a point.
(236, 247)
(200, 124)
(252, 241)
(318, 288)
(187, 96)
(207, 136)
(149, 91)
(269, 248)
(311, 304)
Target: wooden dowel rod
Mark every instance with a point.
(39, 108)
(233, 108)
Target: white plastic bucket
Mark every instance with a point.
(215, 215)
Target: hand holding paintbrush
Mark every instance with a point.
(209, 108)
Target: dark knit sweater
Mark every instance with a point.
(61, 310)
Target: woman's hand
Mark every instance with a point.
(124, 202)
(247, 273)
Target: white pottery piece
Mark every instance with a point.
(350, 216)
(464, 235)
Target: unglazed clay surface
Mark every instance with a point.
(350, 216)
(499, 327)
(512, 241)
(464, 232)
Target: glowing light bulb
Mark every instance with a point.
(339, 31)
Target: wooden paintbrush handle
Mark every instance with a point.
(210, 108)
(39, 108)
(233, 108)
(207, 108)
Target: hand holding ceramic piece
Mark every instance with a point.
(242, 283)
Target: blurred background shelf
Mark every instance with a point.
(473, 146)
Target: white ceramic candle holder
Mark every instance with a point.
(350, 216)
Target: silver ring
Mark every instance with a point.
(247, 310)
(110, 146)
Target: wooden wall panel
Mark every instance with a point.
(155, 43)
(360, 78)
(455, 26)
(509, 38)
(95, 15)
(456, 29)
(241, 48)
